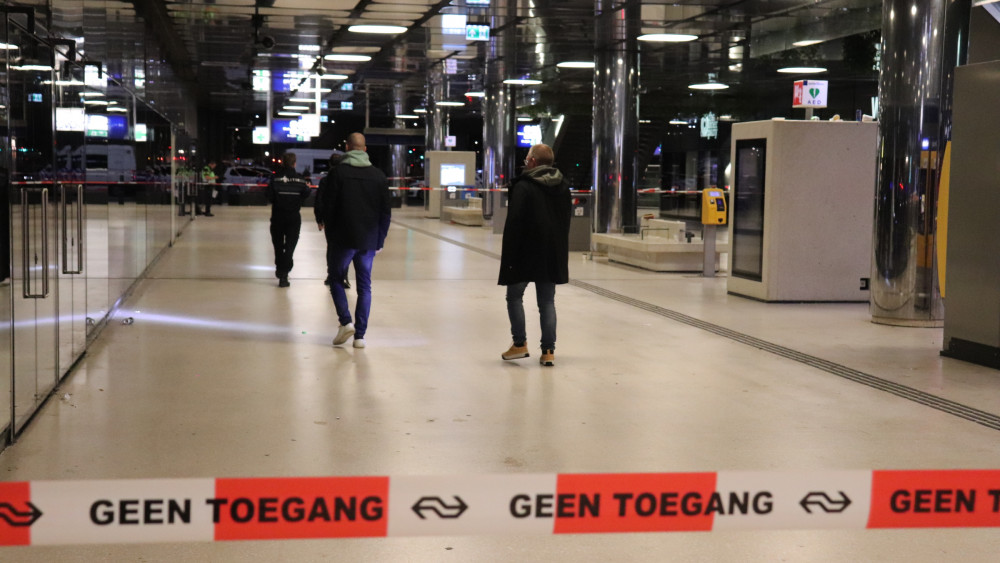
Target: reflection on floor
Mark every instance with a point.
(223, 374)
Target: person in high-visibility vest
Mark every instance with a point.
(206, 189)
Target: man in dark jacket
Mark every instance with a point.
(535, 248)
(319, 209)
(355, 216)
(286, 191)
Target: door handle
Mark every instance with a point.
(27, 291)
(65, 230)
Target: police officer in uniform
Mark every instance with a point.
(206, 189)
(286, 191)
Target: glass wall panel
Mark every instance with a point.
(34, 216)
(68, 184)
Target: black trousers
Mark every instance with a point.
(204, 198)
(284, 236)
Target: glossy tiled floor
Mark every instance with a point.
(222, 374)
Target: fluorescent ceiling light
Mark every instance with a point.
(7, 46)
(309, 48)
(296, 108)
(475, 94)
(678, 122)
(289, 113)
(522, 81)
(32, 67)
(333, 77)
(118, 110)
(524, 119)
(302, 100)
(348, 58)
(91, 94)
(807, 42)
(95, 103)
(667, 37)
(420, 110)
(407, 116)
(576, 64)
(709, 86)
(801, 69)
(449, 104)
(380, 29)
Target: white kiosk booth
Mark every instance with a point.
(802, 209)
(448, 169)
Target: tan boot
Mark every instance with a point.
(548, 358)
(515, 352)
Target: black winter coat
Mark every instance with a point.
(355, 207)
(536, 234)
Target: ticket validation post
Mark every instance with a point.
(713, 212)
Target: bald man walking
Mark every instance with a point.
(356, 210)
(535, 248)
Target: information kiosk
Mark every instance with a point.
(801, 210)
(444, 169)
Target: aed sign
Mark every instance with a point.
(809, 94)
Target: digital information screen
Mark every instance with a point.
(452, 174)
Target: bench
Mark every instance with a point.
(471, 214)
(662, 228)
(658, 254)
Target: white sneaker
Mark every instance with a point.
(359, 342)
(343, 333)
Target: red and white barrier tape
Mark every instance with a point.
(190, 510)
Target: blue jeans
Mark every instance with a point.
(341, 259)
(545, 294)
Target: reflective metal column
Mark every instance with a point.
(498, 106)
(435, 115)
(921, 45)
(397, 153)
(616, 115)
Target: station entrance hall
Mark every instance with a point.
(776, 336)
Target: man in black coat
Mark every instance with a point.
(356, 209)
(319, 209)
(535, 248)
(286, 191)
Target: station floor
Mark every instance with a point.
(223, 374)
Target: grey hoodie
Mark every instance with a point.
(358, 159)
(548, 176)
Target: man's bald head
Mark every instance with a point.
(539, 155)
(356, 142)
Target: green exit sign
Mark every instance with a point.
(477, 33)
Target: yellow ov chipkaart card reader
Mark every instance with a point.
(713, 207)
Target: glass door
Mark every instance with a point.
(8, 52)
(70, 127)
(34, 197)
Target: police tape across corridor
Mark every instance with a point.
(204, 510)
